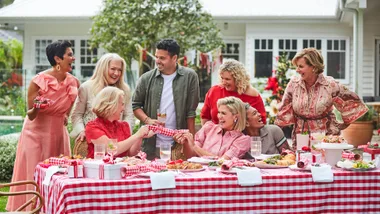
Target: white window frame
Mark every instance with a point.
(231, 39)
(77, 55)
(324, 51)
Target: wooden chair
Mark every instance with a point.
(32, 201)
(80, 148)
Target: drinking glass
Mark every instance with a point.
(161, 116)
(302, 140)
(99, 151)
(255, 146)
(112, 147)
(165, 151)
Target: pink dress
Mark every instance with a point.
(313, 111)
(232, 144)
(46, 135)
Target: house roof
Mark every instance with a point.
(23, 9)
(6, 35)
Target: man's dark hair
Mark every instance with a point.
(169, 45)
(57, 48)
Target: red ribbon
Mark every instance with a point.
(101, 171)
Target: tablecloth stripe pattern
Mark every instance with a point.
(282, 191)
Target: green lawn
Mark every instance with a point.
(3, 199)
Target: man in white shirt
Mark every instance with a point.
(171, 88)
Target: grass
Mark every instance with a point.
(3, 199)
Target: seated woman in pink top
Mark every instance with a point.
(225, 139)
(108, 105)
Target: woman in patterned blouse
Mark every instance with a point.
(309, 99)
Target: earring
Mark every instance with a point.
(58, 67)
(235, 120)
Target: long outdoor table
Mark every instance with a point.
(282, 191)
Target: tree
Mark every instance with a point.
(122, 24)
(277, 83)
(4, 3)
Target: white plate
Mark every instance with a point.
(233, 170)
(200, 160)
(188, 170)
(269, 166)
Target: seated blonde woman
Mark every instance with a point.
(225, 139)
(108, 106)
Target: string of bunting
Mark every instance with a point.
(209, 61)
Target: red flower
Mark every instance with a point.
(272, 84)
(378, 131)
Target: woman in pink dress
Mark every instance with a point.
(234, 81)
(225, 139)
(309, 99)
(51, 95)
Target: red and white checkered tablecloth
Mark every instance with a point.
(282, 191)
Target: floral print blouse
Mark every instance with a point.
(312, 110)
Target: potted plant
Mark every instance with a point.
(359, 132)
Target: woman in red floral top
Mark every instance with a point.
(309, 99)
(108, 106)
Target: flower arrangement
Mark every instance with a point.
(277, 84)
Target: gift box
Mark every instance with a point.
(100, 170)
(310, 157)
(75, 169)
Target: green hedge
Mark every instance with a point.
(8, 146)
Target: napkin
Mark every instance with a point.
(49, 173)
(163, 180)
(249, 177)
(322, 173)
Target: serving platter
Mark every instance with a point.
(269, 166)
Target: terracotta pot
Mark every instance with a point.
(358, 133)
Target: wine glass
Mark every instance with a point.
(161, 116)
(112, 147)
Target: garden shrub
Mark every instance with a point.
(8, 146)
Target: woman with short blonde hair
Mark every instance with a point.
(109, 71)
(108, 105)
(234, 81)
(236, 107)
(225, 139)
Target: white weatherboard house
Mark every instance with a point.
(346, 31)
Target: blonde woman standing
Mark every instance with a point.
(109, 71)
(234, 81)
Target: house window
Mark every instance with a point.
(41, 60)
(42, 63)
(263, 57)
(336, 59)
(88, 58)
(334, 52)
(288, 47)
(312, 43)
(231, 51)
